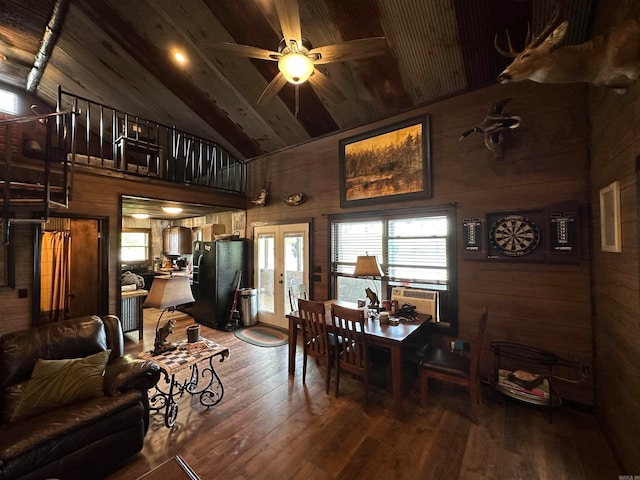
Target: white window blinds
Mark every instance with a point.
(410, 249)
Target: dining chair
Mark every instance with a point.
(296, 292)
(351, 350)
(316, 338)
(454, 367)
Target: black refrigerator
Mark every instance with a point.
(216, 269)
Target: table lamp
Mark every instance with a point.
(167, 293)
(367, 266)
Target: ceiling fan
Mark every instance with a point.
(297, 58)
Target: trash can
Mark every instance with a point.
(249, 306)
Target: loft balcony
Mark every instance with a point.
(39, 154)
(105, 138)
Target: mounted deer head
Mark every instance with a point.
(611, 60)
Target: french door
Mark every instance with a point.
(281, 259)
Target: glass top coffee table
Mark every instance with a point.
(187, 356)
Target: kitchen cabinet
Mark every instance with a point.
(176, 241)
(210, 231)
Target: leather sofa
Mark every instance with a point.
(86, 439)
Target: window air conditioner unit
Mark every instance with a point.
(425, 301)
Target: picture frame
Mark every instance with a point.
(610, 224)
(391, 163)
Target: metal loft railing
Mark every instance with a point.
(103, 137)
(31, 186)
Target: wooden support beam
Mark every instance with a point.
(49, 39)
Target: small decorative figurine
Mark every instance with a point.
(261, 199)
(373, 298)
(295, 199)
(160, 344)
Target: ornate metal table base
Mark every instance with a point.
(202, 382)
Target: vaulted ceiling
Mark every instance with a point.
(119, 53)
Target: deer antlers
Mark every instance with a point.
(609, 60)
(551, 25)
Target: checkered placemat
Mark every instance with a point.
(186, 355)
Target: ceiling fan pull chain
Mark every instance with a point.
(297, 97)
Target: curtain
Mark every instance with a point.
(55, 273)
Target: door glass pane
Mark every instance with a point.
(293, 264)
(266, 263)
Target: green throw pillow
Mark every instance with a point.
(55, 383)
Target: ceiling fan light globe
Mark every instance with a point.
(295, 67)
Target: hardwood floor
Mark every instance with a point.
(270, 426)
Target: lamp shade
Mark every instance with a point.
(169, 292)
(367, 266)
(296, 67)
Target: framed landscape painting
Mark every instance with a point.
(389, 163)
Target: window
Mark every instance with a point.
(134, 245)
(415, 248)
(8, 102)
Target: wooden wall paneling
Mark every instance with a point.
(545, 163)
(618, 413)
(614, 147)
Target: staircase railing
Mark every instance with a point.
(30, 188)
(104, 137)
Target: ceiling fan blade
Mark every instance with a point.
(246, 51)
(272, 89)
(289, 16)
(323, 85)
(351, 50)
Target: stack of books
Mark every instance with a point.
(525, 379)
(525, 385)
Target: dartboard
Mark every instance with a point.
(514, 235)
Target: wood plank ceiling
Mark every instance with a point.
(118, 52)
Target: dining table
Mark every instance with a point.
(386, 336)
